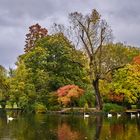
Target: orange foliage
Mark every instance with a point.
(136, 59)
(69, 92)
(116, 97)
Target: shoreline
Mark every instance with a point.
(78, 111)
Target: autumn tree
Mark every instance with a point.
(69, 93)
(4, 86)
(95, 36)
(94, 33)
(126, 83)
(35, 33)
(119, 55)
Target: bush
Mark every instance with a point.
(40, 108)
(134, 106)
(85, 107)
(109, 107)
(138, 105)
(55, 108)
(67, 95)
(87, 98)
(52, 100)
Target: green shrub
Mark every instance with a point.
(85, 107)
(40, 108)
(55, 108)
(138, 105)
(87, 98)
(52, 100)
(109, 107)
(133, 106)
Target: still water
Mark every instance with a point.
(68, 127)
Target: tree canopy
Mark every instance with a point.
(77, 64)
(56, 56)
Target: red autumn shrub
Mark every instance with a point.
(68, 93)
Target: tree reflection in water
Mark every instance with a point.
(99, 123)
(89, 128)
(67, 127)
(66, 133)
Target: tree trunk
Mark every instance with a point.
(99, 103)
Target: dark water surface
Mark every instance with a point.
(67, 127)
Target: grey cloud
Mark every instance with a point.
(17, 15)
(7, 56)
(36, 9)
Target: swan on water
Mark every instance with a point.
(132, 115)
(86, 115)
(9, 118)
(118, 115)
(109, 115)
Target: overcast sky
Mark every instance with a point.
(17, 15)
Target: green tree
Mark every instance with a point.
(4, 87)
(119, 56)
(55, 56)
(22, 91)
(126, 81)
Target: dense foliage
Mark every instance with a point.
(94, 36)
(4, 86)
(126, 83)
(55, 73)
(55, 56)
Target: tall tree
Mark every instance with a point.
(55, 56)
(95, 35)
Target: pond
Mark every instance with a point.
(69, 127)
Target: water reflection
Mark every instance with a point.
(66, 133)
(123, 128)
(65, 127)
(99, 124)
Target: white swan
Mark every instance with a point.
(86, 115)
(109, 115)
(133, 115)
(9, 118)
(118, 115)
